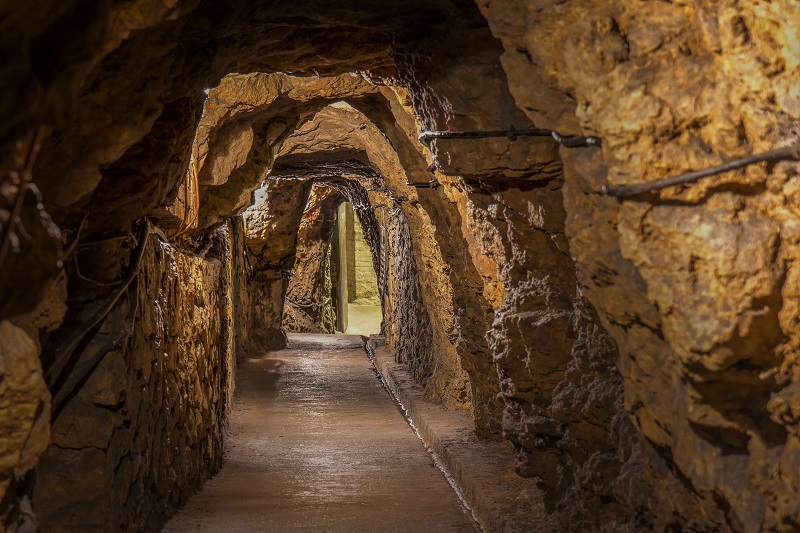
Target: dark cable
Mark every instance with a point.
(789, 153)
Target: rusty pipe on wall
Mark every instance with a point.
(788, 153)
(512, 134)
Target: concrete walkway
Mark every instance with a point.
(317, 445)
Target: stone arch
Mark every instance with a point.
(655, 326)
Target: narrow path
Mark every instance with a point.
(316, 444)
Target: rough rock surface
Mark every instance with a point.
(245, 121)
(409, 332)
(641, 356)
(24, 420)
(145, 430)
(240, 295)
(560, 390)
(271, 228)
(695, 284)
(32, 254)
(309, 303)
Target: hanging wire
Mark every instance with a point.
(105, 304)
(90, 280)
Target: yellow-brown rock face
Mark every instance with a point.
(695, 284)
(640, 356)
(309, 306)
(24, 414)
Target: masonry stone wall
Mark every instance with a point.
(148, 422)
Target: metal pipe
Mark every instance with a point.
(568, 141)
(789, 153)
(432, 184)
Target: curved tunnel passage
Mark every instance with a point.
(631, 361)
(333, 285)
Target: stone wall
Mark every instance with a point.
(24, 424)
(408, 326)
(240, 274)
(145, 430)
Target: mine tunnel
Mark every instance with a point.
(430, 265)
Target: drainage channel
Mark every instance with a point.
(434, 456)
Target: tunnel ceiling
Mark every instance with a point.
(142, 73)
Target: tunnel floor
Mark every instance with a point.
(315, 443)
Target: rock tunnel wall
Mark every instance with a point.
(26, 424)
(408, 325)
(559, 386)
(146, 429)
(271, 226)
(694, 284)
(240, 297)
(309, 298)
(639, 356)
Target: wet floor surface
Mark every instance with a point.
(317, 445)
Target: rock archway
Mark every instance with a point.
(636, 356)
